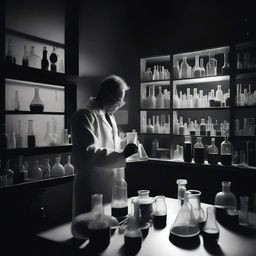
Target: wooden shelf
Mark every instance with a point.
(23, 112)
(153, 109)
(165, 82)
(206, 79)
(204, 136)
(246, 73)
(213, 108)
(13, 71)
(13, 152)
(146, 133)
(246, 107)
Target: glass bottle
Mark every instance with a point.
(211, 66)
(16, 104)
(58, 169)
(181, 190)
(133, 234)
(46, 168)
(19, 174)
(213, 153)
(48, 135)
(194, 200)
(9, 172)
(157, 125)
(12, 140)
(219, 97)
(34, 60)
(152, 98)
(36, 105)
(119, 203)
(225, 199)
(239, 64)
(160, 98)
(225, 68)
(202, 69)
(184, 68)
(166, 98)
(25, 60)
(210, 230)
(196, 68)
(199, 151)
(243, 213)
(31, 136)
(145, 205)
(45, 62)
(3, 137)
(176, 69)
(187, 156)
(9, 58)
(61, 67)
(185, 224)
(159, 212)
(144, 98)
(226, 152)
(150, 127)
(53, 59)
(68, 167)
(55, 136)
(3, 175)
(176, 99)
(202, 128)
(98, 227)
(36, 172)
(19, 136)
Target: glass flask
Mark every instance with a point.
(211, 230)
(133, 235)
(243, 213)
(58, 169)
(37, 172)
(16, 103)
(219, 97)
(187, 152)
(156, 75)
(211, 66)
(31, 135)
(194, 200)
(119, 203)
(9, 58)
(48, 135)
(185, 224)
(160, 98)
(184, 68)
(202, 128)
(176, 99)
(202, 69)
(19, 136)
(199, 151)
(34, 60)
(196, 68)
(144, 98)
(226, 199)
(145, 205)
(98, 226)
(181, 190)
(36, 105)
(226, 152)
(213, 153)
(166, 98)
(68, 167)
(53, 59)
(157, 125)
(225, 68)
(151, 98)
(44, 61)
(159, 212)
(25, 59)
(150, 127)
(46, 168)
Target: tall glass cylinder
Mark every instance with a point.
(31, 136)
(187, 152)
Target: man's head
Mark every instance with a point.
(111, 93)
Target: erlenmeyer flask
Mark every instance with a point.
(185, 224)
(36, 105)
(119, 204)
(210, 230)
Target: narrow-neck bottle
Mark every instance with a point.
(184, 68)
(187, 150)
(225, 68)
(36, 105)
(199, 151)
(211, 66)
(25, 60)
(53, 59)
(37, 172)
(160, 98)
(176, 69)
(213, 153)
(226, 152)
(31, 136)
(196, 68)
(9, 58)
(151, 98)
(68, 167)
(45, 62)
(19, 136)
(219, 96)
(202, 69)
(150, 127)
(58, 169)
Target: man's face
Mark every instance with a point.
(111, 109)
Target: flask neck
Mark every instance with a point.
(97, 203)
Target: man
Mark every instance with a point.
(96, 144)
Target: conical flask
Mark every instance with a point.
(36, 105)
(119, 204)
(185, 224)
(211, 230)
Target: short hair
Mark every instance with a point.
(111, 89)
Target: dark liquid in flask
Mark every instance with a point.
(226, 159)
(31, 141)
(36, 108)
(159, 221)
(199, 155)
(213, 158)
(99, 238)
(132, 243)
(210, 236)
(187, 153)
(119, 212)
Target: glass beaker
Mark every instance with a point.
(160, 212)
(146, 205)
(210, 230)
(194, 200)
(119, 204)
(31, 136)
(185, 224)
(243, 214)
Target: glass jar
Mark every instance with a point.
(226, 152)
(199, 151)
(160, 212)
(181, 190)
(146, 205)
(213, 153)
(187, 152)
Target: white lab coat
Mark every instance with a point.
(96, 152)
